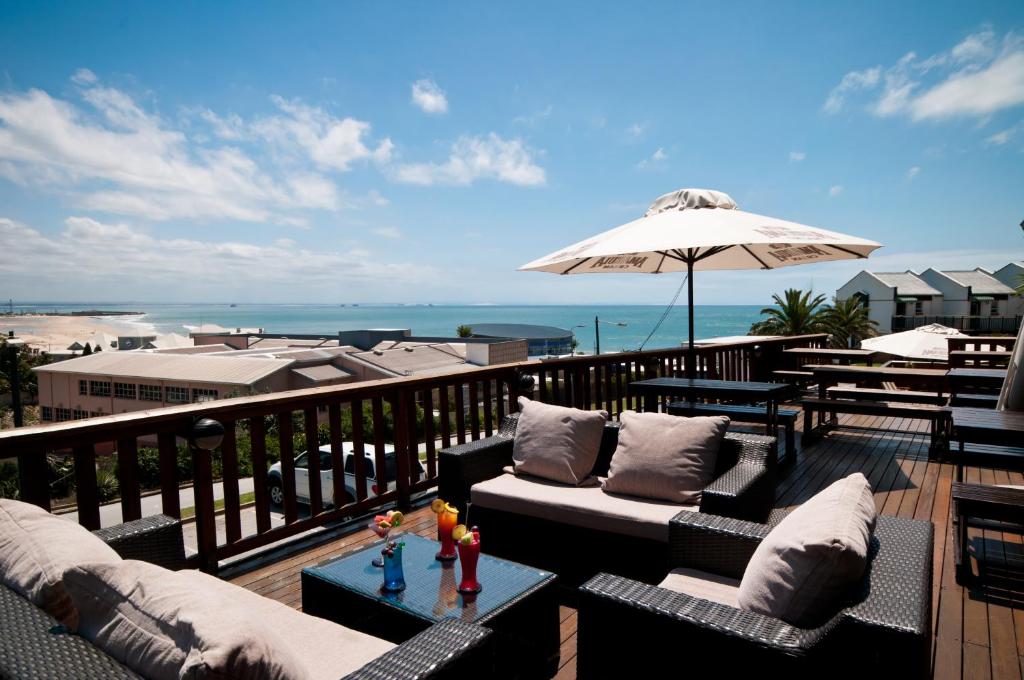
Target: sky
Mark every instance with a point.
(421, 152)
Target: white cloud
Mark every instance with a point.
(108, 153)
(330, 142)
(976, 78)
(913, 172)
(636, 130)
(478, 157)
(1004, 136)
(100, 254)
(835, 190)
(656, 159)
(851, 82)
(429, 97)
(388, 232)
(797, 156)
(535, 117)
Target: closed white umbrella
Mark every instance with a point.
(926, 342)
(693, 229)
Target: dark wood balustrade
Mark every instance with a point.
(469, 404)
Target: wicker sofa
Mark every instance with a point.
(743, 487)
(883, 631)
(34, 646)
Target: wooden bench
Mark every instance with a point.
(975, 400)
(876, 394)
(794, 377)
(978, 505)
(741, 414)
(940, 417)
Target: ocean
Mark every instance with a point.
(640, 320)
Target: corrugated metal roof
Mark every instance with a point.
(162, 366)
(980, 282)
(413, 360)
(322, 373)
(906, 283)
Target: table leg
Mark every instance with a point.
(963, 556)
(960, 462)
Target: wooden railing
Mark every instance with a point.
(416, 415)
(968, 324)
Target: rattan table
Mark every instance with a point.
(519, 603)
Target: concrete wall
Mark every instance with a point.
(490, 353)
(1012, 275)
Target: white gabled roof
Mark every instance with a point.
(906, 283)
(164, 366)
(980, 282)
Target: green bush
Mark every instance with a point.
(9, 486)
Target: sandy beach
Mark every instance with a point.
(56, 333)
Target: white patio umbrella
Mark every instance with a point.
(696, 229)
(926, 342)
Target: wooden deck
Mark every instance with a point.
(978, 633)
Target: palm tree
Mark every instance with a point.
(848, 323)
(798, 314)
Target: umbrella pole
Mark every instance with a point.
(691, 361)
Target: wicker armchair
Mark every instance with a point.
(743, 488)
(883, 631)
(33, 645)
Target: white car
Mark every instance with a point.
(275, 482)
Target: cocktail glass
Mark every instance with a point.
(394, 577)
(447, 519)
(469, 555)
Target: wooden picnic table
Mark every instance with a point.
(986, 380)
(692, 389)
(842, 355)
(933, 379)
(985, 426)
(979, 358)
(959, 343)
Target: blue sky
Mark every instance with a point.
(322, 152)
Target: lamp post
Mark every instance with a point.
(597, 332)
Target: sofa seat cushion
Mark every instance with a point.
(187, 624)
(37, 547)
(664, 457)
(806, 567)
(556, 442)
(588, 507)
(704, 585)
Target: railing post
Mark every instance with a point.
(32, 478)
(400, 412)
(205, 436)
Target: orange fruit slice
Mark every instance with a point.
(459, 531)
(437, 506)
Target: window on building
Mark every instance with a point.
(83, 387)
(901, 309)
(994, 308)
(99, 388)
(919, 308)
(200, 394)
(46, 414)
(151, 393)
(975, 308)
(79, 414)
(62, 414)
(176, 395)
(124, 390)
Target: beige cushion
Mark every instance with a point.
(706, 586)
(187, 624)
(589, 507)
(665, 457)
(36, 548)
(555, 442)
(804, 568)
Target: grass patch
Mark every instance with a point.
(244, 498)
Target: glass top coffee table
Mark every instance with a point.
(517, 602)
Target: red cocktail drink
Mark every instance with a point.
(469, 555)
(446, 521)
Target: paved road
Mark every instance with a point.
(110, 514)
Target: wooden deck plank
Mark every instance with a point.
(975, 634)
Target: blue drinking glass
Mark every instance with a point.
(394, 577)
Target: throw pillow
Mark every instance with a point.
(805, 566)
(37, 547)
(665, 457)
(555, 442)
